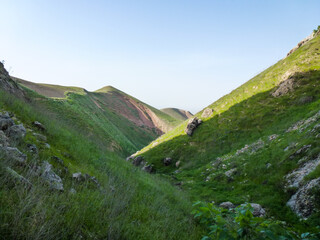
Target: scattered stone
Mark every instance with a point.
(268, 165)
(273, 137)
(284, 87)
(304, 149)
(16, 133)
(192, 125)
(303, 201)
(78, 177)
(167, 161)
(137, 161)
(39, 126)
(251, 149)
(207, 113)
(258, 211)
(32, 148)
(51, 177)
(230, 172)
(47, 145)
(72, 191)
(227, 205)
(148, 168)
(178, 164)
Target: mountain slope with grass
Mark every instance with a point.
(122, 123)
(63, 174)
(258, 144)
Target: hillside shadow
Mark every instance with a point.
(243, 123)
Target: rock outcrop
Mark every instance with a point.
(301, 43)
(207, 113)
(192, 125)
(16, 133)
(284, 87)
(303, 202)
(294, 179)
(8, 84)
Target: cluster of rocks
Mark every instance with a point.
(11, 135)
(285, 87)
(303, 124)
(301, 43)
(80, 177)
(168, 161)
(139, 162)
(303, 201)
(192, 125)
(258, 211)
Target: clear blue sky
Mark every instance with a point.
(183, 54)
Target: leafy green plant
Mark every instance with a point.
(239, 223)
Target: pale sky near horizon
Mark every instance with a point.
(182, 53)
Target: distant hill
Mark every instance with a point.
(177, 113)
(49, 90)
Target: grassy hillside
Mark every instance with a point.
(247, 132)
(177, 113)
(120, 202)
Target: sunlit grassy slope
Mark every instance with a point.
(242, 117)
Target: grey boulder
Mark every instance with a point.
(50, 176)
(227, 205)
(192, 125)
(303, 202)
(16, 133)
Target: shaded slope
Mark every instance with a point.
(250, 117)
(87, 139)
(177, 113)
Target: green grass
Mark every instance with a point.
(132, 205)
(242, 117)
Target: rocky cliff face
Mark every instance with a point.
(7, 83)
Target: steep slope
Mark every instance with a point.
(62, 175)
(177, 113)
(255, 137)
(137, 111)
